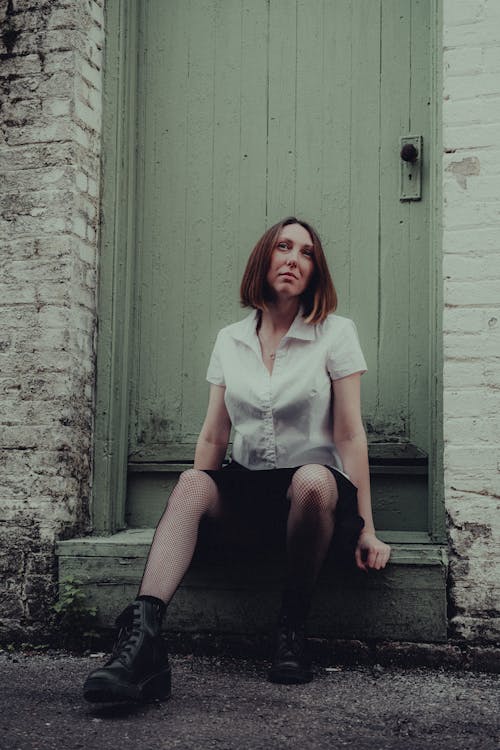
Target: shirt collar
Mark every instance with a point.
(246, 332)
(300, 329)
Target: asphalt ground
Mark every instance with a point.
(226, 703)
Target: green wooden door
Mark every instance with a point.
(250, 110)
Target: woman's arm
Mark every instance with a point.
(350, 440)
(214, 436)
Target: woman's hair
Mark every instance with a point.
(320, 297)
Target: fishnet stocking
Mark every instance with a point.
(194, 496)
(313, 497)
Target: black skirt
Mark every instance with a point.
(255, 512)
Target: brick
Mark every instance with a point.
(91, 235)
(463, 12)
(469, 35)
(30, 157)
(470, 319)
(483, 429)
(487, 188)
(38, 247)
(477, 215)
(94, 97)
(57, 107)
(86, 207)
(82, 181)
(93, 187)
(97, 13)
(491, 58)
(471, 240)
(29, 64)
(59, 84)
(476, 109)
(467, 267)
(458, 64)
(60, 177)
(464, 374)
(471, 136)
(60, 60)
(492, 371)
(65, 18)
(86, 114)
(55, 130)
(463, 87)
(91, 75)
(458, 458)
(470, 402)
(483, 291)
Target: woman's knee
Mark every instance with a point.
(314, 487)
(195, 490)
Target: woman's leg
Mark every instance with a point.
(313, 497)
(194, 497)
(139, 668)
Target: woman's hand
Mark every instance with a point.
(371, 552)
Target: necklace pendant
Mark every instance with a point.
(272, 355)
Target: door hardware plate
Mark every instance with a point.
(410, 183)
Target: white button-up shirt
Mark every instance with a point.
(284, 418)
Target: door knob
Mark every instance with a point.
(409, 153)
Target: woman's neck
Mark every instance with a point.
(279, 315)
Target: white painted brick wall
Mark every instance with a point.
(471, 271)
(50, 79)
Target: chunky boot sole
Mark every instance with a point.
(289, 675)
(106, 688)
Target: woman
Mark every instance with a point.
(275, 377)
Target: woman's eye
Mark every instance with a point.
(282, 245)
(308, 252)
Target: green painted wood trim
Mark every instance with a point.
(408, 548)
(436, 515)
(175, 468)
(394, 454)
(116, 268)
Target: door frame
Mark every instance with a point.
(118, 259)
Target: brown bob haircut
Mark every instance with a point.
(320, 297)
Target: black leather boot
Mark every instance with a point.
(290, 664)
(138, 669)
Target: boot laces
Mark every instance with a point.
(129, 623)
(290, 642)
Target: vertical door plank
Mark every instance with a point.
(392, 401)
(336, 136)
(199, 217)
(161, 198)
(309, 110)
(226, 165)
(281, 163)
(254, 109)
(364, 148)
(419, 257)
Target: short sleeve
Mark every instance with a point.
(345, 356)
(215, 373)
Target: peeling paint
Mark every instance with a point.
(467, 167)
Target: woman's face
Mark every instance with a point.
(292, 262)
